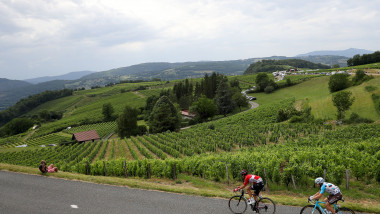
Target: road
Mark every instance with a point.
(23, 193)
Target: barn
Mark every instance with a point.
(86, 136)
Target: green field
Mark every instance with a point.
(315, 92)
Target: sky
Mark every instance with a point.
(54, 37)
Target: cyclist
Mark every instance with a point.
(257, 185)
(334, 191)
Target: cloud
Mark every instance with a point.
(43, 37)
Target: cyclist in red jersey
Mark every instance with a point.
(256, 182)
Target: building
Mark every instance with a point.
(91, 135)
(186, 114)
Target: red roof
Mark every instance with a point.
(185, 112)
(86, 136)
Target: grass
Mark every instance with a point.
(316, 93)
(190, 185)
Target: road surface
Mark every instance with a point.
(23, 193)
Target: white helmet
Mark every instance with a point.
(319, 180)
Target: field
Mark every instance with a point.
(315, 92)
(215, 151)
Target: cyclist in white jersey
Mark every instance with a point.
(333, 190)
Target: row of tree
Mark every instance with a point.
(364, 59)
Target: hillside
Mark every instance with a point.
(10, 97)
(347, 53)
(146, 71)
(8, 85)
(68, 76)
(284, 64)
(316, 94)
(253, 140)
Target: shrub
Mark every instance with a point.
(269, 89)
(355, 118)
(338, 82)
(370, 88)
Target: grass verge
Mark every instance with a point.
(190, 185)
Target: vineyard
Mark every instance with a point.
(251, 140)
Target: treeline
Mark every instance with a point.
(364, 59)
(27, 104)
(203, 99)
(276, 65)
(214, 94)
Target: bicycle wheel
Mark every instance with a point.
(345, 210)
(266, 205)
(237, 204)
(309, 209)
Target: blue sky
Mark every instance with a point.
(54, 37)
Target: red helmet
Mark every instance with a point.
(243, 172)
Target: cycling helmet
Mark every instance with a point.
(319, 180)
(243, 172)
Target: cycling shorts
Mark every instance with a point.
(335, 198)
(257, 187)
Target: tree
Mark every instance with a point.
(360, 77)
(262, 81)
(235, 83)
(343, 101)
(17, 126)
(336, 66)
(240, 100)
(127, 122)
(204, 107)
(223, 98)
(338, 82)
(107, 112)
(164, 116)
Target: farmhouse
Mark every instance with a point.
(186, 114)
(91, 135)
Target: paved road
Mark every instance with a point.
(253, 104)
(22, 193)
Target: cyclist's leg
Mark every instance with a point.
(250, 192)
(257, 187)
(329, 207)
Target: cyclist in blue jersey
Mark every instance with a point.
(334, 191)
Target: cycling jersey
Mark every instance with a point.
(252, 179)
(329, 188)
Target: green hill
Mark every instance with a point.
(284, 64)
(315, 92)
(278, 151)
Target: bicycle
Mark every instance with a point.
(316, 208)
(238, 204)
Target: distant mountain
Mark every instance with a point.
(10, 97)
(347, 53)
(145, 71)
(326, 59)
(8, 85)
(69, 76)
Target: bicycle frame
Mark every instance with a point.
(317, 205)
(242, 195)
